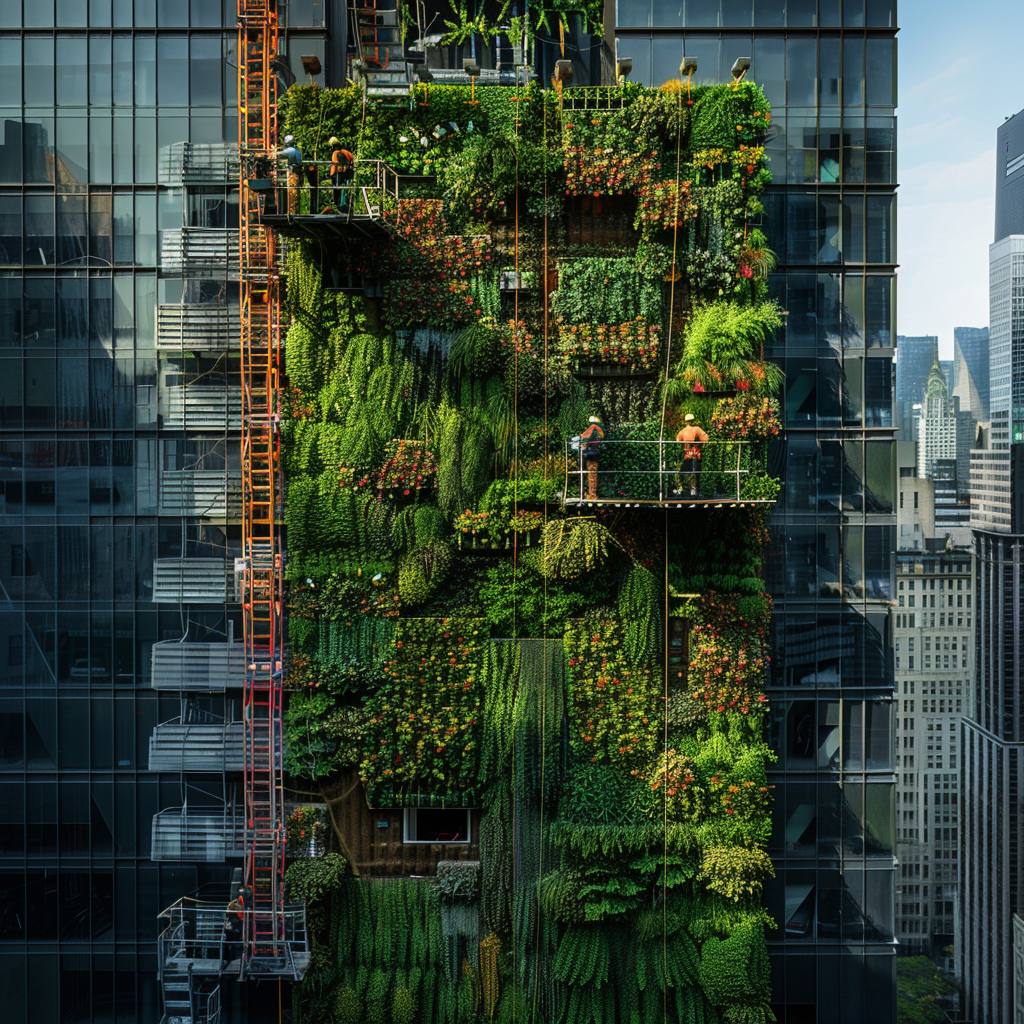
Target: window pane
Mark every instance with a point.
(99, 71)
(72, 156)
(801, 72)
(173, 71)
(853, 72)
(72, 71)
(39, 246)
(100, 155)
(879, 73)
(206, 66)
(145, 72)
(39, 68)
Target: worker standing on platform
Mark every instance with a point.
(693, 438)
(590, 446)
(293, 155)
(342, 163)
(233, 928)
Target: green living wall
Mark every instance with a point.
(589, 678)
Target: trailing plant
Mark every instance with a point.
(574, 547)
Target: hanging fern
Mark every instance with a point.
(574, 547)
(640, 610)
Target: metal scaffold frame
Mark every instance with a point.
(265, 944)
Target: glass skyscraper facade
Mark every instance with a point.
(118, 470)
(119, 467)
(829, 71)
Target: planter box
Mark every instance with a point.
(611, 370)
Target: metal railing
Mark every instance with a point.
(207, 835)
(199, 580)
(178, 746)
(659, 472)
(362, 193)
(206, 938)
(200, 252)
(189, 163)
(197, 327)
(216, 493)
(197, 666)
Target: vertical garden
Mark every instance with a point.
(531, 731)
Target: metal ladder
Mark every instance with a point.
(262, 582)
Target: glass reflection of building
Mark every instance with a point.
(119, 487)
(828, 69)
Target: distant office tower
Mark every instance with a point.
(946, 366)
(932, 627)
(1010, 177)
(1006, 348)
(914, 359)
(970, 370)
(936, 436)
(992, 777)
(992, 750)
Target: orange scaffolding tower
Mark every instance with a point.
(262, 582)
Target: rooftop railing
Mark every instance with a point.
(669, 472)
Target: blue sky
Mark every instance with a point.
(961, 72)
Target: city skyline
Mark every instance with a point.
(947, 191)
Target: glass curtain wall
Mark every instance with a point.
(96, 97)
(828, 68)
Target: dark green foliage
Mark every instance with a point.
(458, 879)
(622, 841)
(919, 986)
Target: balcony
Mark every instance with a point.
(201, 407)
(637, 473)
(198, 163)
(197, 667)
(197, 327)
(197, 747)
(198, 580)
(214, 493)
(200, 252)
(206, 835)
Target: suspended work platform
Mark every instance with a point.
(668, 474)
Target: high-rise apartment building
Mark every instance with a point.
(933, 634)
(914, 361)
(829, 73)
(120, 709)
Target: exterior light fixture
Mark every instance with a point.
(623, 68)
(470, 66)
(311, 65)
(425, 76)
(687, 69)
(563, 71)
(739, 68)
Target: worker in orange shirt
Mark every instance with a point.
(693, 438)
(340, 173)
(590, 446)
